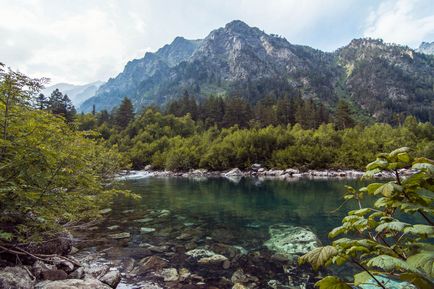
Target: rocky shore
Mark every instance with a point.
(259, 171)
(166, 251)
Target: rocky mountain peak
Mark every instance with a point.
(426, 47)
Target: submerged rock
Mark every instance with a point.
(71, 284)
(291, 241)
(120, 235)
(144, 220)
(15, 277)
(169, 274)
(111, 278)
(145, 230)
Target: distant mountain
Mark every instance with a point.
(77, 93)
(378, 79)
(426, 47)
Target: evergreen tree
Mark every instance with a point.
(41, 102)
(61, 105)
(237, 111)
(124, 114)
(212, 111)
(343, 118)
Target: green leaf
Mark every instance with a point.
(361, 278)
(392, 226)
(423, 261)
(360, 212)
(337, 231)
(424, 167)
(416, 279)
(425, 230)
(399, 151)
(388, 263)
(388, 189)
(404, 157)
(379, 163)
(332, 282)
(318, 256)
(373, 187)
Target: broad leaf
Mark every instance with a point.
(423, 261)
(392, 226)
(388, 263)
(332, 282)
(418, 229)
(418, 280)
(318, 256)
(361, 278)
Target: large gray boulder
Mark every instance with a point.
(236, 172)
(15, 278)
(291, 241)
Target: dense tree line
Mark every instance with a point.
(221, 133)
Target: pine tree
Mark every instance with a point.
(237, 111)
(41, 102)
(124, 114)
(343, 118)
(61, 105)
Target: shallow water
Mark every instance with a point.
(181, 214)
(249, 204)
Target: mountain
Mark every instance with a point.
(426, 47)
(77, 93)
(379, 80)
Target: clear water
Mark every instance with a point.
(181, 214)
(249, 205)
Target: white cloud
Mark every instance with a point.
(82, 41)
(405, 22)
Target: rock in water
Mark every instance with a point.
(291, 241)
(120, 235)
(15, 277)
(234, 173)
(112, 278)
(72, 284)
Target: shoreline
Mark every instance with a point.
(258, 172)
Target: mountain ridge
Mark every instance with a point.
(241, 60)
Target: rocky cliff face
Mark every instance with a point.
(426, 47)
(380, 79)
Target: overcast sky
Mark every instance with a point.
(82, 41)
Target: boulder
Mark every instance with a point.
(169, 274)
(120, 235)
(291, 241)
(391, 284)
(111, 278)
(236, 172)
(148, 167)
(54, 274)
(77, 274)
(39, 267)
(145, 230)
(72, 284)
(153, 263)
(96, 271)
(256, 167)
(212, 260)
(16, 278)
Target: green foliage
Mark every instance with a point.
(162, 140)
(50, 174)
(378, 242)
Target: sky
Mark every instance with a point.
(82, 41)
